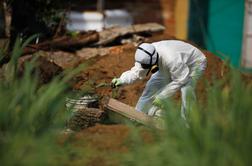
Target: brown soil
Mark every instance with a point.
(105, 137)
(111, 138)
(106, 143)
(106, 68)
(121, 58)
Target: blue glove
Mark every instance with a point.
(116, 82)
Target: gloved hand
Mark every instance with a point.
(116, 82)
(157, 102)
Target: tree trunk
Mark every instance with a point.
(2, 22)
(24, 21)
(7, 19)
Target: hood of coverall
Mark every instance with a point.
(142, 57)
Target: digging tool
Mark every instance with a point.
(103, 84)
(115, 89)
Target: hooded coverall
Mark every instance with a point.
(180, 65)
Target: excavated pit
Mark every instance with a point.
(104, 69)
(103, 65)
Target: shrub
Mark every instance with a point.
(219, 131)
(32, 117)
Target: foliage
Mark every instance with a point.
(45, 17)
(219, 132)
(32, 116)
(51, 11)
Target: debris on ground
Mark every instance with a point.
(75, 41)
(106, 63)
(111, 34)
(66, 43)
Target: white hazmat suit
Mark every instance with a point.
(180, 65)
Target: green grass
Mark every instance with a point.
(220, 131)
(32, 116)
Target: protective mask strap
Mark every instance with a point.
(140, 48)
(155, 67)
(151, 55)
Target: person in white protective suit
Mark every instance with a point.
(175, 65)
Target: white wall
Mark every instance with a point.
(247, 38)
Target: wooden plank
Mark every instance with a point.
(111, 34)
(129, 112)
(64, 43)
(181, 19)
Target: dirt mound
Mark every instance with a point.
(111, 138)
(106, 142)
(120, 59)
(105, 137)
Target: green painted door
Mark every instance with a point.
(225, 28)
